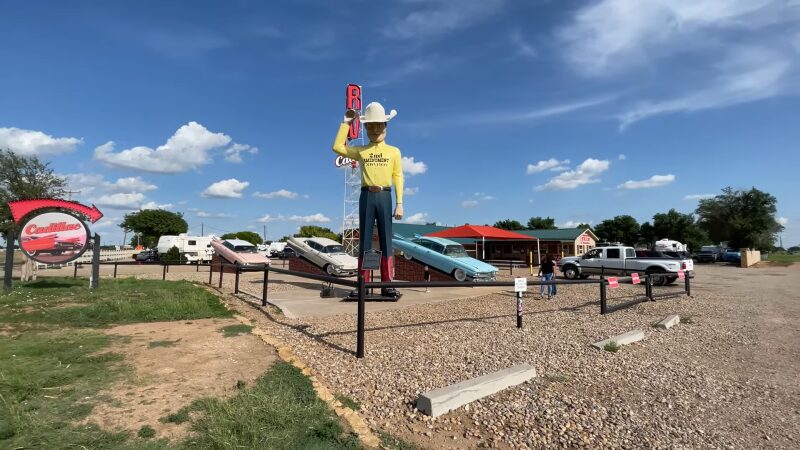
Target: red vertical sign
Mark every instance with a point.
(353, 101)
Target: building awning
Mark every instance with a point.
(480, 232)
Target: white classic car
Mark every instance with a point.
(326, 254)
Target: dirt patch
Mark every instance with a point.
(201, 363)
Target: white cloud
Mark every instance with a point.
(280, 193)
(189, 148)
(622, 157)
(405, 70)
(314, 218)
(231, 188)
(269, 219)
(574, 223)
(213, 216)
(698, 196)
(418, 219)
(440, 17)
(154, 205)
(551, 164)
(88, 183)
(483, 196)
(35, 143)
(521, 46)
(587, 172)
(132, 184)
(783, 221)
(410, 190)
(469, 203)
(234, 153)
(121, 201)
(411, 167)
(105, 223)
(654, 181)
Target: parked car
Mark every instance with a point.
(705, 256)
(239, 252)
(275, 248)
(618, 261)
(147, 255)
(326, 254)
(446, 256)
(286, 253)
(687, 264)
(732, 256)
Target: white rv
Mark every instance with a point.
(193, 248)
(667, 245)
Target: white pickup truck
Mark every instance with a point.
(619, 260)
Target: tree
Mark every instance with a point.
(540, 223)
(24, 178)
(741, 218)
(794, 249)
(509, 224)
(584, 225)
(679, 227)
(173, 255)
(623, 229)
(315, 231)
(248, 236)
(152, 224)
(647, 234)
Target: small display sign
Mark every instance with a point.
(635, 278)
(372, 260)
(54, 237)
(681, 274)
(613, 282)
(520, 284)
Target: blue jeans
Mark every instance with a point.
(551, 289)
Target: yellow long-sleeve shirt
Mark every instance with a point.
(380, 162)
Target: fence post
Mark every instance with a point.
(266, 286)
(221, 271)
(210, 272)
(75, 269)
(361, 313)
(9, 263)
(649, 286)
(115, 269)
(95, 279)
(688, 285)
(519, 309)
(197, 268)
(236, 283)
(603, 309)
(164, 271)
(511, 267)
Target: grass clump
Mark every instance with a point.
(164, 343)
(146, 432)
(394, 443)
(235, 330)
(182, 416)
(280, 411)
(348, 402)
(612, 347)
(116, 301)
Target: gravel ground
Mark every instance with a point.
(692, 386)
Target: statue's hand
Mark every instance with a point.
(398, 212)
(350, 115)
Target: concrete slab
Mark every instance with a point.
(669, 322)
(439, 401)
(304, 300)
(622, 339)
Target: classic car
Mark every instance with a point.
(446, 256)
(239, 252)
(51, 244)
(326, 254)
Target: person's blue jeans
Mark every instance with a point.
(550, 289)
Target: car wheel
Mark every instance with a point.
(407, 256)
(570, 272)
(671, 280)
(329, 269)
(459, 275)
(657, 279)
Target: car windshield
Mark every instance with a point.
(244, 249)
(333, 249)
(455, 251)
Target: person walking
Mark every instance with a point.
(547, 272)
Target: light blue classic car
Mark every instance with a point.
(446, 256)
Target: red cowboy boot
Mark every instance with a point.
(387, 275)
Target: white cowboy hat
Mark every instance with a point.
(376, 113)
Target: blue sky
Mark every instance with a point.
(226, 111)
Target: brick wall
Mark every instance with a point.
(406, 270)
(301, 265)
(215, 265)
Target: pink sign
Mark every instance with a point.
(613, 282)
(681, 274)
(635, 278)
(54, 237)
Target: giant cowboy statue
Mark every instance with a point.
(380, 166)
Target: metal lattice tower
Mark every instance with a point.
(352, 192)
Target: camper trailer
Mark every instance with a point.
(193, 248)
(667, 245)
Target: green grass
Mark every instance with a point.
(784, 258)
(612, 347)
(182, 416)
(164, 343)
(394, 443)
(235, 330)
(146, 432)
(348, 402)
(116, 301)
(281, 411)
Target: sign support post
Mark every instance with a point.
(520, 286)
(95, 281)
(9, 267)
